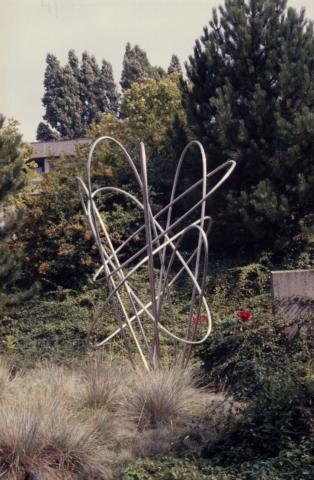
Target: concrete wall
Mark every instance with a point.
(293, 292)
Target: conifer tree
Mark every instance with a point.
(252, 100)
(44, 133)
(12, 180)
(90, 89)
(74, 63)
(109, 98)
(61, 99)
(75, 96)
(136, 66)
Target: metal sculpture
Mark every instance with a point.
(162, 247)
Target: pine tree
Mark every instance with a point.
(109, 98)
(252, 100)
(175, 65)
(12, 180)
(136, 66)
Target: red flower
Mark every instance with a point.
(200, 319)
(245, 315)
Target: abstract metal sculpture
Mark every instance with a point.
(162, 249)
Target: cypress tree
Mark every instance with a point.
(252, 100)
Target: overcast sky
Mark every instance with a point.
(31, 28)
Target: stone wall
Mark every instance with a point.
(293, 292)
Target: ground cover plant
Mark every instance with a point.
(268, 431)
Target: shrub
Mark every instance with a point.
(281, 414)
(238, 355)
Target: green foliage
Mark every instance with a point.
(151, 112)
(14, 159)
(45, 134)
(75, 95)
(251, 99)
(272, 437)
(51, 328)
(136, 67)
(90, 89)
(58, 245)
(281, 414)
(291, 464)
(63, 108)
(110, 95)
(239, 355)
(175, 65)
(151, 107)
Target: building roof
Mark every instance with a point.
(56, 148)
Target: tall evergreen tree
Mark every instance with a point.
(12, 180)
(75, 96)
(90, 89)
(136, 66)
(109, 99)
(45, 134)
(175, 65)
(61, 99)
(252, 99)
(74, 64)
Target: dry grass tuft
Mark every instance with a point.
(62, 424)
(102, 384)
(40, 440)
(5, 374)
(160, 398)
(220, 414)
(52, 381)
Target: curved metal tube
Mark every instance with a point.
(158, 240)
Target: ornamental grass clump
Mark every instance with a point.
(61, 423)
(39, 439)
(5, 375)
(52, 381)
(165, 397)
(102, 382)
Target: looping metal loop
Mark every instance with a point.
(159, 241)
